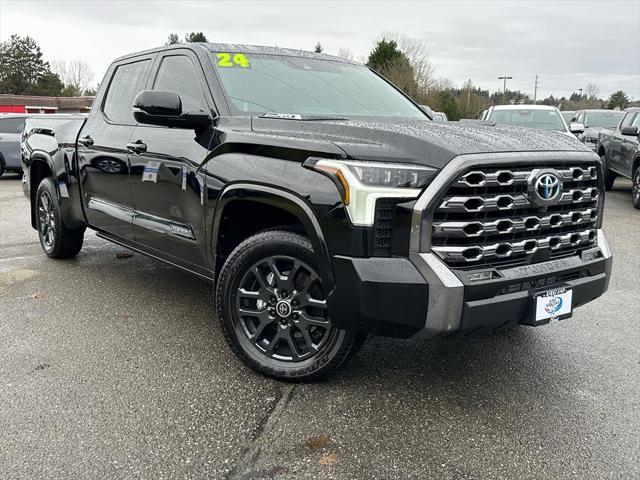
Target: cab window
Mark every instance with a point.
(128, 80)
(177, 74)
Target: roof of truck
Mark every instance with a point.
(242, 48)
(524, 107)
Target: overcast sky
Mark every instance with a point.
(567, 43)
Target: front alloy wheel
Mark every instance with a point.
(273, 309)
(281, 309)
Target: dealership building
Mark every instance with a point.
(38, 104)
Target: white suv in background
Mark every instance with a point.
(540, 117)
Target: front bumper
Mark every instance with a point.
(422, 297)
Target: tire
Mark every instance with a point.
(277, 321)
(56, 239)
(1, 166)
(635, 189)
(609, 176)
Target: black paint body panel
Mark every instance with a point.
(173, 199)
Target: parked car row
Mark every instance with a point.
(612, 134)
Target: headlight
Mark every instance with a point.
(362, 183)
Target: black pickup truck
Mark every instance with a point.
(322, 202)
(620, 153)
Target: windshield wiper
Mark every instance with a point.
(305, 117)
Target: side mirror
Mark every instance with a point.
(630, 130)
(576, 127)
(153, 107)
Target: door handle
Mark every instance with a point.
(137, 147)
(87, 141)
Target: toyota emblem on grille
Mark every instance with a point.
(548, 186)
(545, 187)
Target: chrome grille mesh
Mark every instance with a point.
(486, 217)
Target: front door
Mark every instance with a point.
(102, 150)
(168, 193)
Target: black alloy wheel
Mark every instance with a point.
(281, 309)
(272, 306)
(46, 220)
(56, 238)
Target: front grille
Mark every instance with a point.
(486, 219)
(383, 227)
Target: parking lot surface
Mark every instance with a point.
(116, 368)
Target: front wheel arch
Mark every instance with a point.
(302, 217)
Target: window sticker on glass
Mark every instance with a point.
(232, 60)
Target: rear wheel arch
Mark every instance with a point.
(246, 209)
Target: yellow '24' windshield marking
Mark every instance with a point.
(228, 60)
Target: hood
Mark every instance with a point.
(418, 141)
(595, 131)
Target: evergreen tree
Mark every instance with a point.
(618, 99)
(195, 37)
(318, 48)
(23, 71)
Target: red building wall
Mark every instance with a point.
(12, 109)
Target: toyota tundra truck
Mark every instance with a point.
(322, 202)
(620, 153)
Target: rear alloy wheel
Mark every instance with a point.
(273, 309)
(635, 189)
(57, 240)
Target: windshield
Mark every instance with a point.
(258, 84)
(567, 116)
(539, 119)
(602, 119)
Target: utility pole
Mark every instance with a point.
(535, 91)
(468, 94)
(504, 88)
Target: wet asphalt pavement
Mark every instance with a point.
(116, 368)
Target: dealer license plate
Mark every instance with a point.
(552, 305)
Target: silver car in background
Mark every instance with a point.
(11, 127)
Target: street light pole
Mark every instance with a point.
(504, 88)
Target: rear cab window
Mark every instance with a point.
(127, 81)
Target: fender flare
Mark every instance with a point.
(283, 199)
(36, 158)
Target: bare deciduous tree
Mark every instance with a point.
(416, 52)
(76, 76)
(591, 91)
(345, 53)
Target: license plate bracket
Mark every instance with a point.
(550, 304)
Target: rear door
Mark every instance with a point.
(102, 149)
(615, 145)
(629, 148)
(168, 193)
